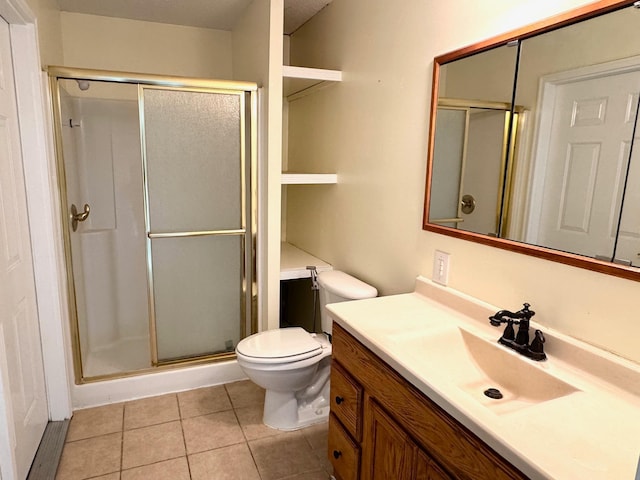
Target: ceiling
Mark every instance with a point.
(217, 14)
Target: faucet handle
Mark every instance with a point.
(536, 343)
(536, 349)
(509, 333)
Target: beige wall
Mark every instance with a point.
(486, 76)
(91, 41)
(49, 30)
(372, 129)
(482, 76)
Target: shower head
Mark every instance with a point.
(83, 84)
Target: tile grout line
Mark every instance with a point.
(124, 407)
(243, 433)
(184, 438)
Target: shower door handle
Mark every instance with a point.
(78, 217)
(467, 204)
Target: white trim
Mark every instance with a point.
(261, 244)
(547, 89)
(16, 12)
(42, 201)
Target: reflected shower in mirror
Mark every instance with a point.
(567, 178)
(471, 142)
(470, 145)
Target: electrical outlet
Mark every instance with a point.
(441, 267)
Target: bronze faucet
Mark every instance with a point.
(520, 341)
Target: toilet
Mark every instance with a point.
(293, 365)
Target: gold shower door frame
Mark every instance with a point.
(247, 92)
(151, 235)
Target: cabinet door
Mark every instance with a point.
(426, 469)
(390, 451)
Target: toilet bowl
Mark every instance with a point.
(293, 365)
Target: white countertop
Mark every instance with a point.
(592, 433)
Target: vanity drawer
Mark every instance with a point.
(344, 453)
(346, 400)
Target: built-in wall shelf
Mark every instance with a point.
(294, 262)
(290, 178)
(301, 81)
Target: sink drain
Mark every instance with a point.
(493, 393)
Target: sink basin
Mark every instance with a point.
(474, 364)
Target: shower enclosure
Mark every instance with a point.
(158, 192)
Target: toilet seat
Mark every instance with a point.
(283, 345)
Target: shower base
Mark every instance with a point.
(122, 356)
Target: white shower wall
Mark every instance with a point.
(105, 171)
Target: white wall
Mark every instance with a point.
(372, 129)
(105, 43)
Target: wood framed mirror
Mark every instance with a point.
(534, 141)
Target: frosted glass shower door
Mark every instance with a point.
(196, 193)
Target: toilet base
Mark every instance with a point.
(294, 410)
(282, 411)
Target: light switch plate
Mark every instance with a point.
(441, 262)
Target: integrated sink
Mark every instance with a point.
(473, 364)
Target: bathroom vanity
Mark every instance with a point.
(376, 414)
(407, 383)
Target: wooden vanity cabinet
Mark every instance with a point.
(389, 451)
(382, 427)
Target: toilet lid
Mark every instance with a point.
(283, 343)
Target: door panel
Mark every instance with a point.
(103, 168)
(483, 170)
(449, 149)
(198, 295)
(195, 163)
(193, 157)
(628, 244)
(391, 450)
(588, 158)
(22, 380)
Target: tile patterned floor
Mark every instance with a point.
(205, 434)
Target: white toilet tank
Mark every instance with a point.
(336, 286)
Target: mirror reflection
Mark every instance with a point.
(470, 144)
(557, 168)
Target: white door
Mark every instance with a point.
(587, 161)
(23, 404)
(628, 245)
